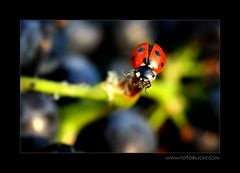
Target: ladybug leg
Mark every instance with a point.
(146, 91)
(148, 86)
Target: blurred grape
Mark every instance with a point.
(39, 116)
(31, 143)
(83, 36)
(123, 131)
(80, 70)
(60, 41)
(30, 40)
(129, 132)
(207, 141)
(130, 33)
(36, 40)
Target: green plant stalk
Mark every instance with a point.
(63, 88)
(157, 118)
(100, 92)
(77, 115)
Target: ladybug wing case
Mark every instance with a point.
(138, 54)
(157, 59)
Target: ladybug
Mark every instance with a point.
(147, 60)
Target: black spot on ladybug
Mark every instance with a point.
(162, 64)
(141, 49)
(157, 53)
(145, 61)
(132, 58)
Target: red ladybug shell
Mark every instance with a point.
(157, 59)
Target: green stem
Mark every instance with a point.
(157, 118)
(101, 92)
(63, 88)
(77, 115)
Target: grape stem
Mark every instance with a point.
(106, 91)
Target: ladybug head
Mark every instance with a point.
(145, 74)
